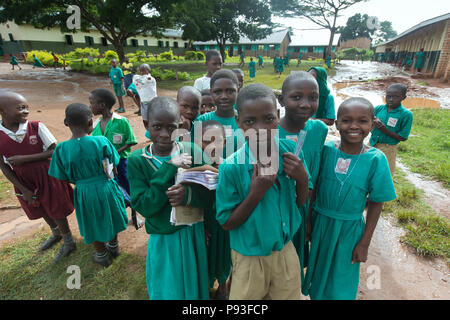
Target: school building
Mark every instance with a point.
(309, 43)
(275, 43)
(433, 35)
(21, 38)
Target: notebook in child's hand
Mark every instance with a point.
(186, 215)
(205, 175)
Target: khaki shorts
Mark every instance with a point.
(390, 151)
(275, 277)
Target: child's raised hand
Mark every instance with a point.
(379, 124)
(360, 253)
(182, 161)
(176, 195)
(262, 179)
(294, 167)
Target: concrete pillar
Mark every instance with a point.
(443, 66)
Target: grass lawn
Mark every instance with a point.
(427, 150)
(265, 75)
(427, 232)
(26, 273)
(6, 188)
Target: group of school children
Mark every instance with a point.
(271, 230)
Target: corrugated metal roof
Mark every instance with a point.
(417, 27)
(274, 38)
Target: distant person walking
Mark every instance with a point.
(14, 62)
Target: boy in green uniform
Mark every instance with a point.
(118, 131)
(259, 203)
(116, 76)
(393, 123)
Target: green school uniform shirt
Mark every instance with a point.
(148, 186)
(398, 120)
(118, 131)
(312, 147)
(274, 221)
(116, 75)
(252, 68)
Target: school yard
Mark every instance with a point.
(409, 253)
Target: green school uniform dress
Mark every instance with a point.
(14, 61)
(116, 75)
(177, 266)
(219, 252)
(419, 60)
(274, 221)
(398, 120)
(118, 131)
(99, 204)
(260, 61)
(252, 69)
(37, 63)
(344, 183)
(279, 63)
(326, 109)
(312, 151)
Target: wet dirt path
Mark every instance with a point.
(392, 270)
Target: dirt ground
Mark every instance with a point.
(391, 272)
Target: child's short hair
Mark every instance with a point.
(78, 114)
(253, 92)
(145, 66)
(190, 90)
(224, 74)
(300, 75)
(165, 104)
(212, 53)
(212, 123)
(105, 96)
(205, 92)
(358, 100)
(238, 71)
(399, 86)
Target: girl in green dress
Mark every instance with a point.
(14, 62)
(350, 174)
(325, 112)
(177, 265)
(252, 69)
(99, 204)
(300, 98)
(37, 62)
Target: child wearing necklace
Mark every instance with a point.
(350, 173)
(177, 265)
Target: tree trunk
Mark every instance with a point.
(118, 46)
(329, 49)
(222, 50)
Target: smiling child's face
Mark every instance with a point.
(14, 108)
(207, 104)
(354, 123)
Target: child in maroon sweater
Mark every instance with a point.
(25, 151)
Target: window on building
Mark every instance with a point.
(1, 39)
(89, 40)
(104, 41)
(125, 43)
(134, 42)
(11, 37)
(167, 44)
(69, 39)
(261, 47)
(310, 49)
(248, 47)
(175, 44)
(185, 45)
(160, 44)
(146, 43)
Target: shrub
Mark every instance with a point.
(79, 53)
(110, 54)
(190, 55)
(200, 55)
(168, 55)
(45, 57)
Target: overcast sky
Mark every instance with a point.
(403, 14)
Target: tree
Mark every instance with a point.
(385, 32)
(224, 20)
(356, 27)
(322, 12)
(116, 20)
